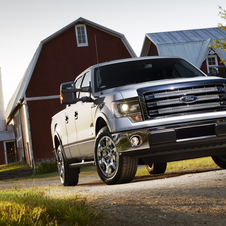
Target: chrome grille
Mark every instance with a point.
(185, 101)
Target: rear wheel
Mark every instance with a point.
(156, 168)
(112, 168)
(68, 176)
(220, 161)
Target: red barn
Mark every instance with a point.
(59, 58)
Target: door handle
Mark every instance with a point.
(76, 115)
(66, 119)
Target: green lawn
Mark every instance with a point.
(191, 164)
(13, 166)
(27, 207)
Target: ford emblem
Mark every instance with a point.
(188, 99)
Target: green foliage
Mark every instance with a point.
(16, 214)
(221, 43)
(28, 207)
(13, 166)
(45, 168)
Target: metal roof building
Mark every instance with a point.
(193, 45)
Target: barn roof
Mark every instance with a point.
(189, 44)
(19, 93)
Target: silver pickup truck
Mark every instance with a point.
(153, 109)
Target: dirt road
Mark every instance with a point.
(183, 200)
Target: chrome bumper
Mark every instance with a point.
(186, 137)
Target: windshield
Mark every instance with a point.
(133, 72)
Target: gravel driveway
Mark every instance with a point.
(173, 199)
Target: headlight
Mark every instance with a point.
(128, 108)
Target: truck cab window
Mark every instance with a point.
(77, 85)
(85, 83)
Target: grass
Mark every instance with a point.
(85, 171)
(27, 207)
(191, 164)
(13, 166)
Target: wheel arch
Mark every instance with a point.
(57, 142)
(100, 123)
(57, 136)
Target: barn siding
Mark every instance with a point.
(18, 136)
(219, 61)
(61, 60)
(40, 120)
(204, 67)
(153, 50)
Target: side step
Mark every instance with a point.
(82, 164)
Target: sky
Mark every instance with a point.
(25, 23)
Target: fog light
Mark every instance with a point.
(135, 141)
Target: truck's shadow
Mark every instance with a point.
(151, 177)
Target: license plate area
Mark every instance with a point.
(195, 132)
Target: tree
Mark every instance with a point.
(221, 43)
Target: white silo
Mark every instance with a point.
(2, 107)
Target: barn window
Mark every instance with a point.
(211, 63)
(81, 35)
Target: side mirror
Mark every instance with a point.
(67, 93)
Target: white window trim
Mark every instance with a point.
(207, 63)
(76, 33)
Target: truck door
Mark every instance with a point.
(70, 122)
(84, 123)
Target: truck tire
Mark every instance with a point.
(68, 176)
(112, 168)
(156, 168)
(220, 161)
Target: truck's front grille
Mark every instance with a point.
(184, 100)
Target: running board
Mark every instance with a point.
(82, 164)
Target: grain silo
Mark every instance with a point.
(2, 107)
(7, 137)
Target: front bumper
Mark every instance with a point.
(175, 142)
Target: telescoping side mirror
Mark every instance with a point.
(67, 93)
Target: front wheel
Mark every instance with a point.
(112, 168)
(68, 176)
(220, 161)
(156, 168)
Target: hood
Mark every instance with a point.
(130, 91)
